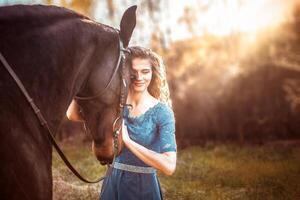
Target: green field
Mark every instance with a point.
(211, 172)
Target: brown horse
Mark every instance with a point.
(57, 54)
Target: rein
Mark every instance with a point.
(44, 123)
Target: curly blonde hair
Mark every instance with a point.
(158, 87)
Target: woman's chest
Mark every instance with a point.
(144, 133)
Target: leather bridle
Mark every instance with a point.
(43, 122)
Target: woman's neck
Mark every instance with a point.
(138, 98)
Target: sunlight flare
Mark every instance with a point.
(225, 17)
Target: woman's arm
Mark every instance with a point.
(165, 162)
(73, 112)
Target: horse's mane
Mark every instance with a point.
(19, 18)
(41, 14)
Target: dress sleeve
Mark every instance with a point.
(166, 130)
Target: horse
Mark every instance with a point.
(58, 54)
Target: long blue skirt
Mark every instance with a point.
(125, 185)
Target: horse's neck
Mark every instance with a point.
(59, 76)
(54, 58)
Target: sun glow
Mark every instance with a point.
(225, 17)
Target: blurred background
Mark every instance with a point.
(233, 66)
(234, 73)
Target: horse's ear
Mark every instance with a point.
(127, 25)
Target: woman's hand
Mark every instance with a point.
(125, 136)
(73, 113)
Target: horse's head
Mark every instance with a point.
(99, 97)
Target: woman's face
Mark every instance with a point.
(142, 70)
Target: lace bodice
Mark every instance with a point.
(155, 130)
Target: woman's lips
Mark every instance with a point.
(138, 84)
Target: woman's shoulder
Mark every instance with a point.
(164, 112)
(163, 107)
(159, 105)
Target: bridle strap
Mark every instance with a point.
(116, 131)
(42, 120)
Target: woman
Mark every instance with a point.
(148, 132)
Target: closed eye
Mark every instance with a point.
(145, 71)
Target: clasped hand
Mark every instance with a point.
(125, 136)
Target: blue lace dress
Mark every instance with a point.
(155, 130)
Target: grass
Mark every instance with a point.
(212, 172)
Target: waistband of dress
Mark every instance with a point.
(133, 168)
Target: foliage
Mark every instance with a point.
(81, 6)
(227, 88)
